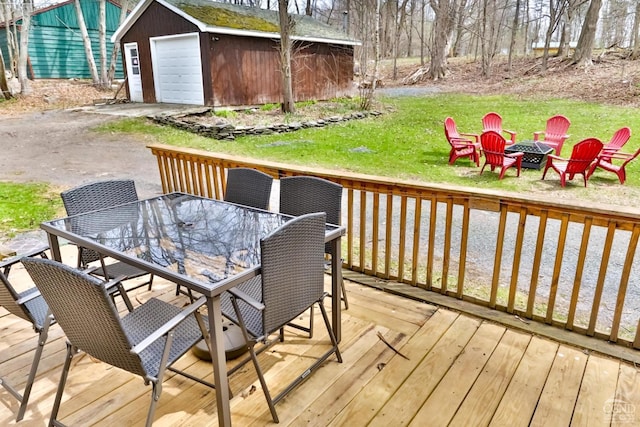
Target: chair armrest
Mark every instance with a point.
(553, 156)
(473, 135)
(246, 298)
(170, 325)
(518, 154)
(114, 282)
(618, 155)
(536, 135)
(27, 298)
(510, 132)
(461, 141)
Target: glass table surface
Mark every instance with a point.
(203, 239)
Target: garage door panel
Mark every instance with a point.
(178, 70)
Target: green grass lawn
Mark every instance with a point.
(24, 206)
(407, 141)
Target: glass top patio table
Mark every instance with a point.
(206, 245)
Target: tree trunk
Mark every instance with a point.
(455, 50)
(556, 11)
(514, 33)
(124, 5)
(422, 41)
(635, 36)
(102, 35)
(584, 49)
(87, 44)
(4, 86)
(286, 23)
(23, 78)
(368, 92)
(445, 11)
(401, 14)
(11, 40)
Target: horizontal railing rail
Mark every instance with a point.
(572, 265)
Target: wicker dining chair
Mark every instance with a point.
(301, 195)
(145, 342)
(30, 306)
(291, 281)
(102, 195)
(248, 187)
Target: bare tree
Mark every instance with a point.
(401, 14)
(286, 27)
(11, 30)
(4, 86)
(25, 28)
(124, 5)
(584, 49)
(514, 32)
(556, 11)
(445, 11)
(636, 37)
(102, 36)
(367, 92)
(87, 43)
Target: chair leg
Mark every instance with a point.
(254, 359)
(42, 339)
(71, 350)
(344, 295)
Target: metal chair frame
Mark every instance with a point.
(101, 195)
(30, 306)
(300, 195)
(291, 281)
(145, 342)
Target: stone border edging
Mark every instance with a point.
(230, 132)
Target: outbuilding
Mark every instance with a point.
(56, 49)
(218, 54)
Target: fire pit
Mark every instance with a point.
(535, 153)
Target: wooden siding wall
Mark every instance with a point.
(566, 265)
(157, 21)
(322, 71)
(245, 71)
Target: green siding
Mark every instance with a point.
(55, 44)
(59, 53)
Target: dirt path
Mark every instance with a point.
(59, 147)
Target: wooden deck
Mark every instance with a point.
(454, 370)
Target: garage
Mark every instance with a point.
(177, 69)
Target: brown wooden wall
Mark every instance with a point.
(321, 71)
(245, 70)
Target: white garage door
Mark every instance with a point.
(177, 69)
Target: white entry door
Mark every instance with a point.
(177, 69)
(133, 71)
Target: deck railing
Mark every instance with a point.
(570, 265)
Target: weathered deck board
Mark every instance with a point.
(460, 371)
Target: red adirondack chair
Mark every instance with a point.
(461, 146)
(493, 148)
(605, 161)
(555, 133)
(493, 122)
(619, 138)
(582, 156)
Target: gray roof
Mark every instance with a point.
(226, 18)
